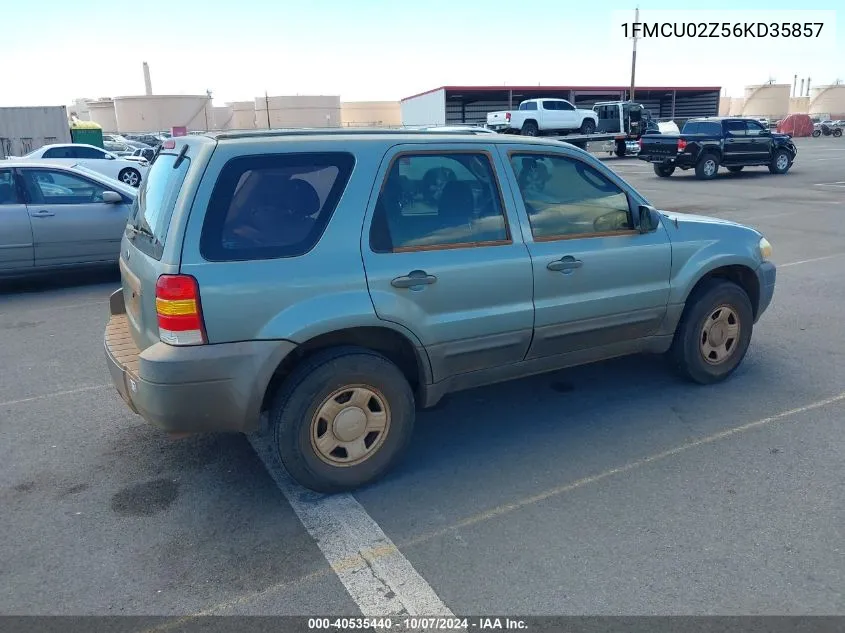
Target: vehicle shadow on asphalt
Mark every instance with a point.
(61, 280)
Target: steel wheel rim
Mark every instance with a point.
(709, 167)
(783, 161)
(719, 337)
(350, 425)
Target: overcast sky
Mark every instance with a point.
(58, 50)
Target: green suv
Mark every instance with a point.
(314, 288)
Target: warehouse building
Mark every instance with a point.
(455, 105)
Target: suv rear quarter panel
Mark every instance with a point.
(291, 298)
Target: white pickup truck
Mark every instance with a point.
(538, 116)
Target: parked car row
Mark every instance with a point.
(58, 216)
(129, 170)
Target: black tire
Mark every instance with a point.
(621, 149)
(817, 133)
(309, 385)
(837, 132)
(703, 166)
(588, 126)
(781, 162)
(529, 128)
(736, 169)
(129, 176)
(686, 351)
(664, 171)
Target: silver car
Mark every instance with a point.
(55, 216)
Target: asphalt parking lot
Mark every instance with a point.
(609, 489)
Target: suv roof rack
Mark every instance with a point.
(235, 134)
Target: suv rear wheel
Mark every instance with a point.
(714, 333)
(530, 128)
(342, 419)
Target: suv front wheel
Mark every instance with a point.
(714, 333)
(342, 419)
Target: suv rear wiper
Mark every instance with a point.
(142, 230)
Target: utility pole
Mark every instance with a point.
(267, 105)
(634, 52)
(207, 106)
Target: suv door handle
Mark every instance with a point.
(42, 213)
(414, 278)
(565, 263)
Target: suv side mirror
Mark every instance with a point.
(112, 197)
(649, 219)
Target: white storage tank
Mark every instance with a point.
(370, 114)
(102, 112)
(301, 111)
(828, 100)
(154, 113)
(737, 103)
(243, 115)
(223, 117)
(767, 100)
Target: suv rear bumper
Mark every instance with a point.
(192, 389)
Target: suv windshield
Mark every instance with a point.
(154, 204)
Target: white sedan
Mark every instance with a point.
(130, 172)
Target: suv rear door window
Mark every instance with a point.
(267, 207)
(438, 200)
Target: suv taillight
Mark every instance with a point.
(682, 145)
(179, 311)
(507, 116)
(640, 143)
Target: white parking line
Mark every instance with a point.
(380, 580)
(807, 261)
(512, 506)
(55, 394)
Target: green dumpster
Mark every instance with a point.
(86, 132)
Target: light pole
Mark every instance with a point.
(634, 51)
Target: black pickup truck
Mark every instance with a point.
(705, 144)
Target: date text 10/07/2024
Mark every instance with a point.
(417, 624)
(723, 30)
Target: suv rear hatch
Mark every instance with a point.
(143, 256)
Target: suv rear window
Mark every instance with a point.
(272, 206)
(156, 199)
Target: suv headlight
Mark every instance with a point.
(765, 249)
